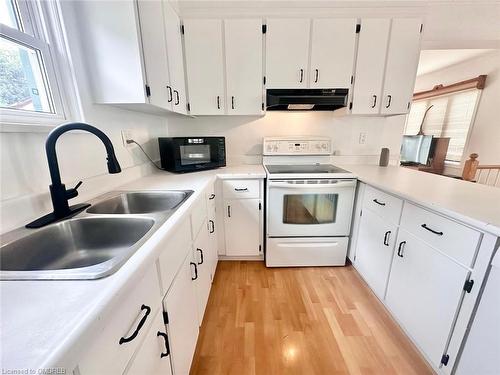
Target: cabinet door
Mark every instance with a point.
(332, 52)
(287, 53)
(153, 355)
(374, 251)
(182, 329)
(212, 231)
(203, 280)
(175, 59)
(204, 66)
(424, 293)
(154, 48)
(242, 227)
(370, 64)
(244, 75)
(401, 67)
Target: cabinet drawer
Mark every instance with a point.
(138, 304)
(235, 189)
(198, 215)
(385, 205)
(454, 239)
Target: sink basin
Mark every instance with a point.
(140, 202)
(80, 248)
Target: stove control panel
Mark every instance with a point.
(297, 146)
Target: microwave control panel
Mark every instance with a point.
(297, 146)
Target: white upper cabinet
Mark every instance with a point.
(332, 52)
(386, 65)
(204, 66)
(370, 65)
(401, 67)
(244, 77)
(287, 53)
(177, 87)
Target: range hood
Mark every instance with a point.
(306, 99)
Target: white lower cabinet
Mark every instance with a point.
(202, 268)
(181, 309)
(425, 293)
(376, 238)
(242, 227)
(153, 356)
(212, 227)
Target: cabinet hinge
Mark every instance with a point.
(148, 91)
(350, 105)
(421, 27)
(264, 80)
(444, 359)
(358, 28)
(182, 29)
(188, 107)
(468, 285)
(165, 317)
(352, 80)
(264, 29)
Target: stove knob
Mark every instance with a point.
(323, 146)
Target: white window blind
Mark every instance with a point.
(451, 116)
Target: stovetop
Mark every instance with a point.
(304, 169)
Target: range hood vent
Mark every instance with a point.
(306, 99)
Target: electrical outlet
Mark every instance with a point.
(127, 134)
(362, 138)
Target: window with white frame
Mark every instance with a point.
(29, 87)
(451, 116)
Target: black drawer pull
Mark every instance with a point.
(218, 102)
(228, 211)
(378, 202)
(212, 196)
(317, 76)
(195, 271)
(389, 99)
(170, 97)
(167, 346)
(386, 238)
(201, 253)
(241, 189)
(401, 248)
(374, 101)
(124, 340)
(177, 99)
(431, 230)
(301, 75)
(212, 226)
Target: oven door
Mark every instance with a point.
(310, 208)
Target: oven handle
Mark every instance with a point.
(284, 184)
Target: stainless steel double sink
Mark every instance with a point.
(91, 245)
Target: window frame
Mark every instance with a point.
(43, 30)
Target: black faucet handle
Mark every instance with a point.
(71, 193)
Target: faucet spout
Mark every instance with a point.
(58, 192)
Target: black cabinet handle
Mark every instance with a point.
(177, 100)
(301, 75)
(401, 248)
(212, 229)
(170, 97)
(241, 189)
(374, 101)
(218, 102)
(195, 271)
(124, 340)
(212, 196)
(389, 98)
(317, 76)
(228, 211)
(201, 253)
(232, 102)
(378, 202)
(167, 346)
(386, 238)
(432, 230)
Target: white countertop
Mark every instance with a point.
(474, 204)
(45, 324)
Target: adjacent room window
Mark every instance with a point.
(28, 84)
(451, 116)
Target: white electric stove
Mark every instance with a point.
(309, 203)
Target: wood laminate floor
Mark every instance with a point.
(317, 320)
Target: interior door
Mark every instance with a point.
(155, 52)
(402, 62)
(204, 66)
(175, 58)
(287, 52)
(424, 293)
(332, 52)
(203, 282)
(244, 76)
(370, 64)
(242, 227)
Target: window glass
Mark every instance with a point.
(23, 83)
(309, 208)
(9, 14)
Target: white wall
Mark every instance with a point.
(244, 134)
(24, 176)
(485, 136)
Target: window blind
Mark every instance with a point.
(451, 116)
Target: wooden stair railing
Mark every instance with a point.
(482, 174)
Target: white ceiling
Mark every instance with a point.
(432, 60)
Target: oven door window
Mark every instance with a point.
(195, 154)
(309, 208)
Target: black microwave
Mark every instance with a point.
(188, 154)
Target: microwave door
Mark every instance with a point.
(195, 154)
